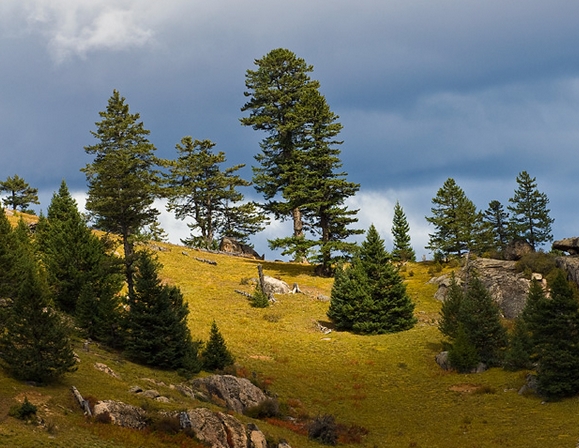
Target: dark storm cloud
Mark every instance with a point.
(478, 91)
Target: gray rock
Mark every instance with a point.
(442, 360)
(162, 399)
(256, 437)
(516, 249)
(531, 385)
(571, 266)
(106, 369)
(232, 246)
(217, 429)
(238, 393)
(136, 389)
(569, 245)
(151, 393)
(121, 414)
(275, 286)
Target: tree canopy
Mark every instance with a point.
(20, 193)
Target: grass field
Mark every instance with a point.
(389, 385)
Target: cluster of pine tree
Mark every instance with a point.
(460, 227)
(545, 336)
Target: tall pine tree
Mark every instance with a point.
(530, 218)
(369, 296)
(496, 220)
(402, 250)
(20, 193)
(123, 180)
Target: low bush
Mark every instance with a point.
(324, 430)
(539, 262)
(25, 411)
(266, 409)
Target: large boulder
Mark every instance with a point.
(232, 246)
(274, 285)
(120, 413)
(569, 245)
(238, 394)
(220, 430)
(516, 249)
(507, 287)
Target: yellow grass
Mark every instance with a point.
(388, 384)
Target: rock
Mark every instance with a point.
(162, 399)
(151, 393)
(482, 367)
(531, 385)
(569, 245)
(238, 393)
(136, 389)
(106, 369)
(442, 360)
(275, 286)
(507, 287)
(232, 246)
(217, 429)
(516, 249)
(121, 414)
(256, 437)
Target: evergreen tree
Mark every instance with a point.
(520, 349)
(298, 163)
(72, 254)
(463, 355)
(123, 180)
(530, 218)
(480, 317)
(156, 331)
(20, 193)
(555, 334)
(403, 250)
(198, 188)
(369, 296)
(450, 310)
(216, 355)
(455, 219)
(496, 220)
(34, 344)
(6, 266)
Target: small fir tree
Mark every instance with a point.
(463, 355)
(403, 250)
(369, 296)
(34, 344)
(520, 349)
(450, 310)
(216, 355)
(156, 331)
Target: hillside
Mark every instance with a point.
(387, 384)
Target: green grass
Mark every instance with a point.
(388, 384)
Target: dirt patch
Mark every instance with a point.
(465, 388)
(262, 357)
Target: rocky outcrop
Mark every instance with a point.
(507, 287)
(121, 414)
(232, 246)
(569, 245)
(238, 394)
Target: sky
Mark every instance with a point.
(474, 90)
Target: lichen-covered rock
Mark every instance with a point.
(237, 393)
(121, 414)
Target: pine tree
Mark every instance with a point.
(156, 331)
(463, 355)
(555, 334)
(370, 297)
(403, 250)
(530, 218)
(198, 188)
(450, 310)
(480, 317)
(298, 161)
(455, 219)
(123, 179)
(496, 220)
(72, 254)
(34, 344)
(520, 349)
(21, 194)
(6, 289)
(216, 355)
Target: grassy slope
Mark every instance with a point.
(388, 384)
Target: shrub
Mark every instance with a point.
(259, 299)
(540, 262)
(166, 424)
(104, 418)
(25, 411)
(266, 409)
(324, 429)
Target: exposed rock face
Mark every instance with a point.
(238, 393)
(121, 414)
(232, 246)
(507, 287)
(516, 249)
(571, 266)
(569, 245)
